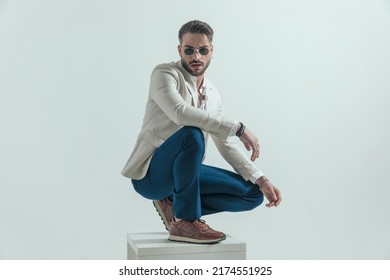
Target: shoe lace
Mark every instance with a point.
(201, 223)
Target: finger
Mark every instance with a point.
(247, 146)
(270, 204)
(253, 156)
(257, 149)
(256, 152)
(279, 198)
(271, 201)
(275, 202)
(273, 195)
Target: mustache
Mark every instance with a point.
(196, 62)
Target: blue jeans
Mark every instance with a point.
(176, 171)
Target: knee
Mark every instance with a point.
(193, 135)
(258, 201)
(192, 131)
(255, 200)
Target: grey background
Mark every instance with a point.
(310, 78)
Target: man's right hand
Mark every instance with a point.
(251, 143)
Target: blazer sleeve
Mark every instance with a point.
(233, 154)
(164, 91)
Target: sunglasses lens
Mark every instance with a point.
(204, 51)
(189, 51)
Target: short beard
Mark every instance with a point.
(196, 74)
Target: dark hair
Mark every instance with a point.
(196, 26)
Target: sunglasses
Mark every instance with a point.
(202, 51)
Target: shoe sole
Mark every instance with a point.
(195, 241)
(161, 214)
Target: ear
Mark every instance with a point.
(179, 48)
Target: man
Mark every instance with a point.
(183, 109)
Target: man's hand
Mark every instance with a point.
(271, 192)
(251, 143)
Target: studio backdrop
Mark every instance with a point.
(309, 78)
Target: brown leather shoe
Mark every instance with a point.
(164, 208)
(194, 232)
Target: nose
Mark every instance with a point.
(196, 54)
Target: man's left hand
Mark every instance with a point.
(271, 192)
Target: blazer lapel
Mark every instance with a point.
(190, 83)
(191, 91)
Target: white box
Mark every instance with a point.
(156, 246)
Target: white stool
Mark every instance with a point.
(156, 246)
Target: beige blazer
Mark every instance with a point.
(169, 107)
